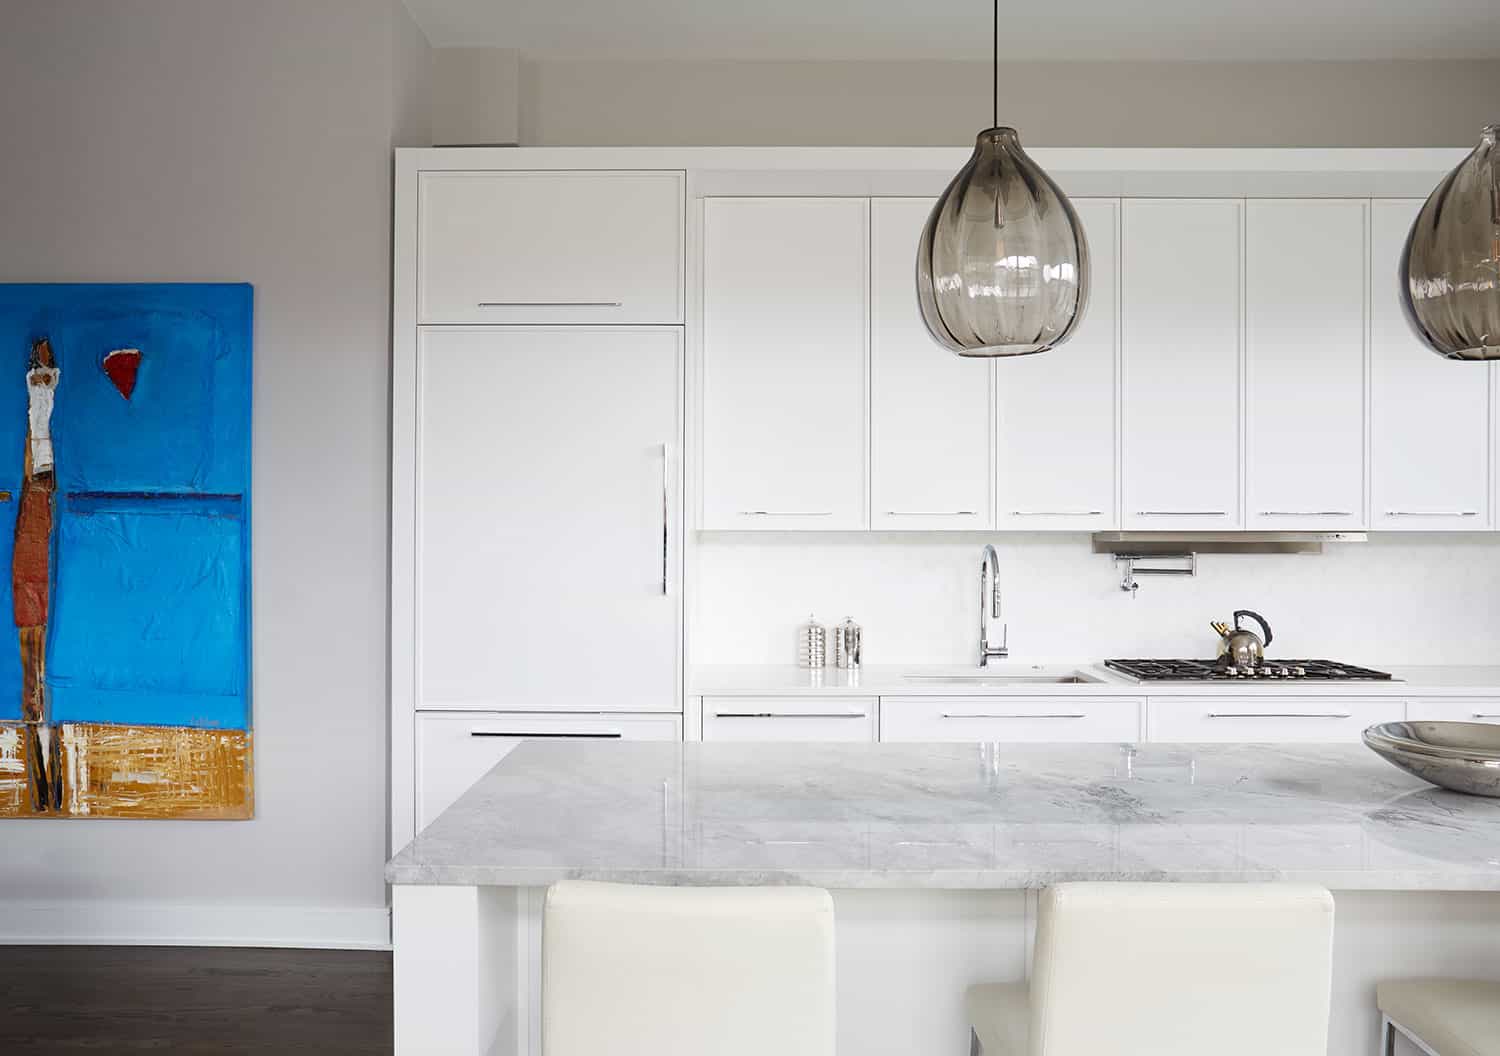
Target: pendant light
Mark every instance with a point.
(1003, 264)
(1450, 266)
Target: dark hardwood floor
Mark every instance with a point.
(180, 1000)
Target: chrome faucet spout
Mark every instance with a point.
(989, 608)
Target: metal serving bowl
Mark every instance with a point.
(1462, 756)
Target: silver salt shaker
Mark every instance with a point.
(812, 644)
(846, 644)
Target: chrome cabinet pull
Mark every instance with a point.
(608, 736)
(1279, 715)
(1007, 715)
(791, 715)
(1182, 513)
(1486, 715)
(1432, 513)
(551, 304)
(786, 513)
(1056, 513)
(666, 518)
(931, 513)
(1306, 513)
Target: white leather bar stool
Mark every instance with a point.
(1442, 1017)
(686, 971)
(1124, 969)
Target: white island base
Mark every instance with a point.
(934, 855)
(468, 963)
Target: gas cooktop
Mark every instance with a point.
(1267, 671)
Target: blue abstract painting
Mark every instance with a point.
(125, 524)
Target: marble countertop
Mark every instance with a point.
(955, 816)
(917, 680)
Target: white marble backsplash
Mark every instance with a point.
(1397, 599)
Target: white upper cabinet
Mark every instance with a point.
(550, 247)
(1304, 364)
(1180, 355)
(929, 409)
(784, 363)
(1055, 457)
(1429, 417)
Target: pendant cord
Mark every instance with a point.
(995, 69)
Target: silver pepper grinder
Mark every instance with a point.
(846, 644)
(812, 644)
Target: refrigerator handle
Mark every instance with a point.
(666, 519)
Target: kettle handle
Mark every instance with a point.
(1258, 618)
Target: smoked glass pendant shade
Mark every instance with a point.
(1450, 268)
(1003, 264)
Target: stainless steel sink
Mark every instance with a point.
(1066, 679)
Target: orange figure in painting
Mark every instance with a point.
(31, 570)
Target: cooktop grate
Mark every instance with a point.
(1276, 670)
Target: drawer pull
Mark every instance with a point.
(1306, 513)
(1056, 513)
(786, 513)
(791, 715)
(1279, 715)
(1432, 513)
(928, 843)
(1181, 513)
(551, 304)
(932, 513)
(1017, 715)
(1487, 715)
(611, 735)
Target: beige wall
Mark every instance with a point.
(585, 103)
(217, 140)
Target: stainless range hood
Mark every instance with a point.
(1152, 544)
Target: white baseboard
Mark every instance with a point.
(110, 923)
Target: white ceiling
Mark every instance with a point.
(1197, 30)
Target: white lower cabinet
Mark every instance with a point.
(1267, 718)
(811, 718)
(454, 750)
(1008, 718)
(1460, 709)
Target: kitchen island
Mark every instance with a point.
(934, 853)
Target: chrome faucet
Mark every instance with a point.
(989, 607)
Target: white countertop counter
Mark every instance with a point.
(1018, 678)
(956, 816)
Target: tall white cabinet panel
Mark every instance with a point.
(930, 449)
(784, 362)
(1055, 458)
(1429, 417)
(550, 247)
(548, 526)
(1304, 364)
(1180, 325)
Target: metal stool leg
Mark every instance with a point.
(975, 1049)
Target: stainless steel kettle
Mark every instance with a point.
(1240, 647)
